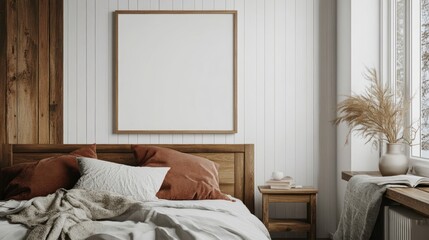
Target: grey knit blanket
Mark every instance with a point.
(361, 206)
(69, 214)
(95, 215)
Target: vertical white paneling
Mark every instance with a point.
(132, 4)
(165, 4)
(260, 93)
(122, 5)
(219, 138)
(208, 4)
(219, 4)
(188, 4)
(66, 71)
(301, 96)
(208, 138)
(177, 4)
(269, 90)
(240, 5)
(280, 85)
(198, 4)
(112, 6)
(154, 138)
(279, 90)
(230, 4)
(177, 138)
(290, 109)
(250, 88)
(154, 4)
(269, 86)
(320, 45)
(90, 73)
(291, 95)
(301, 89)
(283, 79)
(72, 70)
(102, 118)
(310, 92)
(143, 5)
(81, 73)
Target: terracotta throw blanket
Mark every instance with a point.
(361, 206)
(69, 214)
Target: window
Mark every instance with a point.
(410, 50)
(424, 77)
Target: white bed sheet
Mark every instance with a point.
(205, 213)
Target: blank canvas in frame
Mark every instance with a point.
(176, 72)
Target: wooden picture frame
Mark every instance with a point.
(176, 71)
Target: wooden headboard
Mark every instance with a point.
(236, 171)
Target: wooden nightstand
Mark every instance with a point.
(294, 195)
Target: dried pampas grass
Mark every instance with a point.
(376, 114)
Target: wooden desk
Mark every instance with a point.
(414, 198)
(295, 195)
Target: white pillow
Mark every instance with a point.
(141, 183)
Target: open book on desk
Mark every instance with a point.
(408, 180)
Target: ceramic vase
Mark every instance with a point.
(394, 161)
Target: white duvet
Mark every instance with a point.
(206, 219)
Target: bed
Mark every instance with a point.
(154, 219)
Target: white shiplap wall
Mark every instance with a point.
(286, 87)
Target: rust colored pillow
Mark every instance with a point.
(27, 180)
(190, 177)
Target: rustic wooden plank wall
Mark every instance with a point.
(43, 115)
(2, 71)
(11, 71)
(56, 71)
(27, 71)
(31, 76)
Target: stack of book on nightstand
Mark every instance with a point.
(284, 183)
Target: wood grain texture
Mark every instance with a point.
(238, 174)
(292, 198)
(3, 70)
(6, 155)
(249, 176)
(346, 175)
(232, 159)
(27, 71)
(414, 198)
(286, 224)
(26, 84)
(43, 78)
(265, 210)
(311, 216)
(11, 56)
(426, 189)
(297, 191)
(56, 71)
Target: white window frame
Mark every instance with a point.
(388, 64)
